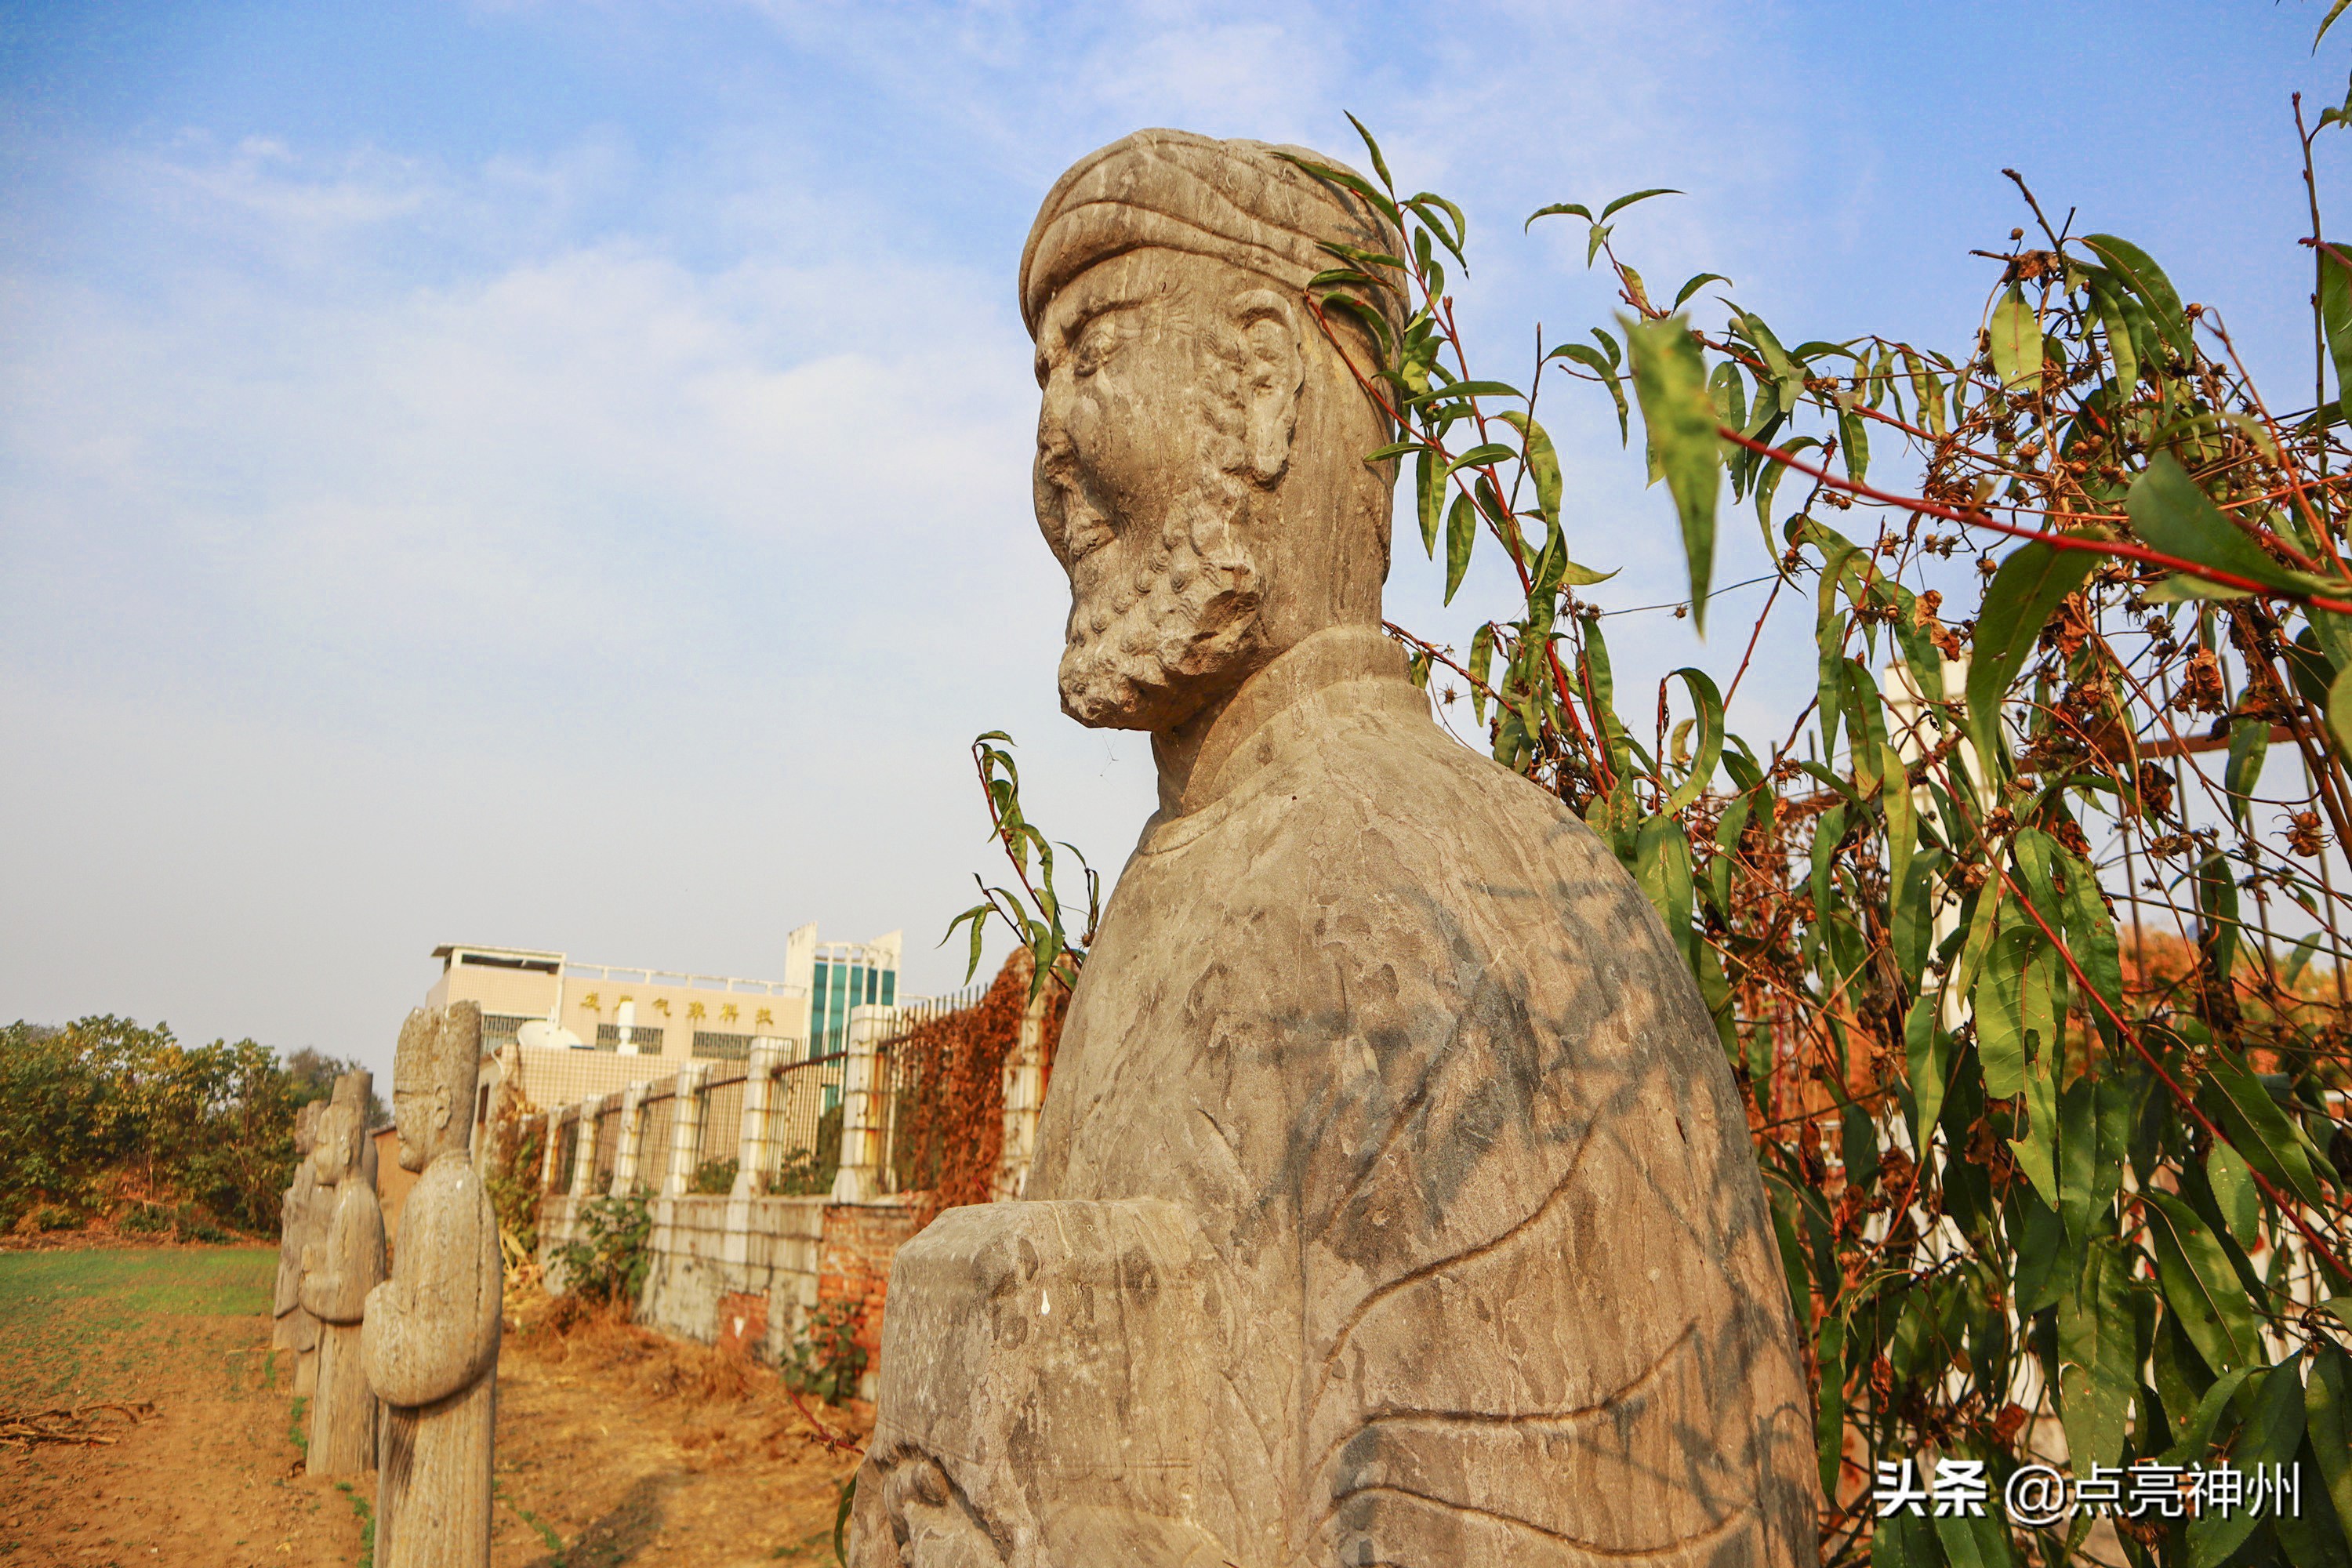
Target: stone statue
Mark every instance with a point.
(431, 1339)
(1393, 1200)
(292, 1328)
(336, 1279)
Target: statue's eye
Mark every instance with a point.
(1095, 345)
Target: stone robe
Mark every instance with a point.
(342, 1407)
(294, 1329)
(431, 1347)
(1479, 1268)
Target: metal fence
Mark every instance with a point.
(567, 1150)
(806, 1107)
(660, 1113)
(722, 1120)
(608, 1143)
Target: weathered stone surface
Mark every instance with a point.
(1381, 1073)
(292, 1328)
(336, 1279)
(430, 1340)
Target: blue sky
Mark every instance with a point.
(557, 475)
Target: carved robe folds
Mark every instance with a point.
(431, 1345)
(342, 1408)
(1401, 1208)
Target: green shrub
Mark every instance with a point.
(610, 1264)
(714, 1176)
(826, 1359)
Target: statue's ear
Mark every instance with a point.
(1273, 368)
(441, 1105)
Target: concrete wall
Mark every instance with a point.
(752, 1269)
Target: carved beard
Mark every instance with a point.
(1158, 626)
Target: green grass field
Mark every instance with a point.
(98, 1325)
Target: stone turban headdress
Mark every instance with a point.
(1237, 202)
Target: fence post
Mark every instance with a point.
(554, 1121)
(859, 1179)
(584, 1151)
(633, 1128)
(1025, 1077)
(755, 1146)
(685, 1127)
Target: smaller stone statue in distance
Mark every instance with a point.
(294, 1329)
(430, 1340)
(336, 1279)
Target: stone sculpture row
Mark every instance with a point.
(399, 1372)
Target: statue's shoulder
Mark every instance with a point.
(450, 1182)
(1401, 768)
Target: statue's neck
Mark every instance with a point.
(1194, 755)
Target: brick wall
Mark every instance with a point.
(853, 1262)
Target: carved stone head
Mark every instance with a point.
(432, 1077)
(335, 1153)
(1200, 467)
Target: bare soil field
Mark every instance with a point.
(615, 1446)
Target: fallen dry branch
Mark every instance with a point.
(76, 1425)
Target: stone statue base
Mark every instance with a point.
(1038, 1353)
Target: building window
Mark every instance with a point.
(721, 1047)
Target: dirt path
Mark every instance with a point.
(615, 1446)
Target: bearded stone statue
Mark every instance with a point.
(430, 1338)
(1393, 1201)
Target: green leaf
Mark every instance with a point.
(1662, 865)
(2217, 912)
(2324, 23)
(1571, 209)
(2234, 1193)
(1429, 493)
(1623, 202)
(2095, 1138)
(2234, 1097)
(1979, 1540)
(2145, 278)
(2091, 934)
(1829, 1420)
(1542, 463)
(1906, 1539)
(1902, 824)
(2114, 321)
(1589, 357)
(1482, 650)
(1927, 1052)
(1670, 378)
(2016, 340)
(2098, 1361)
(1380, 164)
(2250, 747)
(1854, 444)
(1454, 390)
(2014, 1000)
(1785, 370)
(1682, 295)
(2025, 593)
(1461, 532)
(2171, 514)
(2273, 1432)
(1710, 703)
(2327, 1419)
(2339, 711)
(2207, 1298)
(2335, 312)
